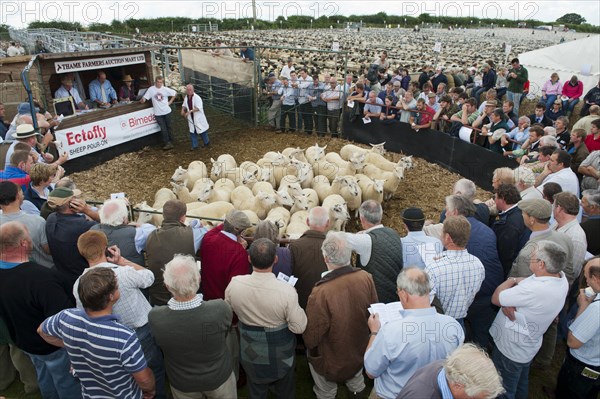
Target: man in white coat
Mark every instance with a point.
(193, 111)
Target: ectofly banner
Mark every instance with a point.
(85, 139)
(96, 63)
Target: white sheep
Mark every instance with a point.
(216, 210)
(242, 198)
(183, 193)
(407, 161)
(304, 172)
(322, 186)
(371, 189)
(392, 179)
(300, 204)
(250, 173)
(313, 197)
(282, 197)
(276, 157)
(290, 183)
(338, 212)
(161, 196)
(217, 191)
(314, 153)
(280, 217)
(295, 153)
(349, 149)
(224, 163)
(381, 162)
(196, 170)
(298, 225)
(351, 167)
(147, 217)
(348, 188)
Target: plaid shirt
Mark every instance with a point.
(456, 277)
(192, 304)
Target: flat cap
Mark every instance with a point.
(538, 208)
(238, 219)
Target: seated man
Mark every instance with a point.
(68, 90)
(465, 117)
(590, 169)
(422, 119)
(407, 103)
(102, 92)
(373, 106)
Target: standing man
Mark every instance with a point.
(417, 246)
(319, 107)
(392, 355)
(288, 95)
(517, 76)
(133, 307)
(518, 329)
(193, 111)
(287, 68)
(456, 275)
(379, 249)
(102, 92)
(269, 316)
(565, 210)
(307, 258)
(274, 112)
(582, 364)
(194, 370)
(104, 354)
(28, 294)
(304, 107)
(332, 97)
(337, 333)
(173, 237)
(162, 108)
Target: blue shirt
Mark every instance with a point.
(96, 91)
(63, 92)
(443, 384)
(374, 108)
(104, 353)
(586, 328)
(403, 346)
(289, 95)
(248, 53)
(414, 243)
(275, 88)
(16, 175)
(316, 91)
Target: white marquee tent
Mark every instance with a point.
(577, 57)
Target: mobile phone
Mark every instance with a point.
(107, 253)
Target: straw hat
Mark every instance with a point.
(127, 78)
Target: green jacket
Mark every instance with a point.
(515, 85)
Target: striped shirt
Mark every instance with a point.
(455, 278)
(104, 353)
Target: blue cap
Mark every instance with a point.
(25, 109)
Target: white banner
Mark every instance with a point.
(95, 136)
(97, 63)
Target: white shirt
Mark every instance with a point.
(304, 84)
(160, 99)
(286, 70)
(566, 178)
(132, 308)
(531, 193)
(362, 244)
(196, 119)
(539, 300)
(577, 235)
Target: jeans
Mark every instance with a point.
(515, 376)
(154, 358)
(194, 138)
(54, 377)
(516, 99)
(500, 92)
(477, 92)
(164, 121)
(550, 100)
(569, 106)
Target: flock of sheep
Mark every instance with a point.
(283, 186)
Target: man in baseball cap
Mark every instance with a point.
(417, 245)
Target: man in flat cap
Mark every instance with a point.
(63, 228)
(417, 246)
(173, 237)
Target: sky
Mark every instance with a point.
(19, 13)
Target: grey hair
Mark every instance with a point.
(371, 211)
(414, 281)
(336, 249)
(182, 276)
(548, 140)
(552, 254)
(465, 188)
(525, 119)
(593, 197)
(524, 175)
(267, 229)
(318, 217)
(113, 212)
(471, 367)
(460, 204)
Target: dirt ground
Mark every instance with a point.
(140, 174)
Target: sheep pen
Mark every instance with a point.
(140, 174)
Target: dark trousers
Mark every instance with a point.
(320, 118)
(477, 92)
(305, 111)
(479, 319)
(333, 116)
(284, 388)
(288, 111)
(572, 385)
(164, 121)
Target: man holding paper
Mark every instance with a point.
(399, 348)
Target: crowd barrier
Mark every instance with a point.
(469, 160)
